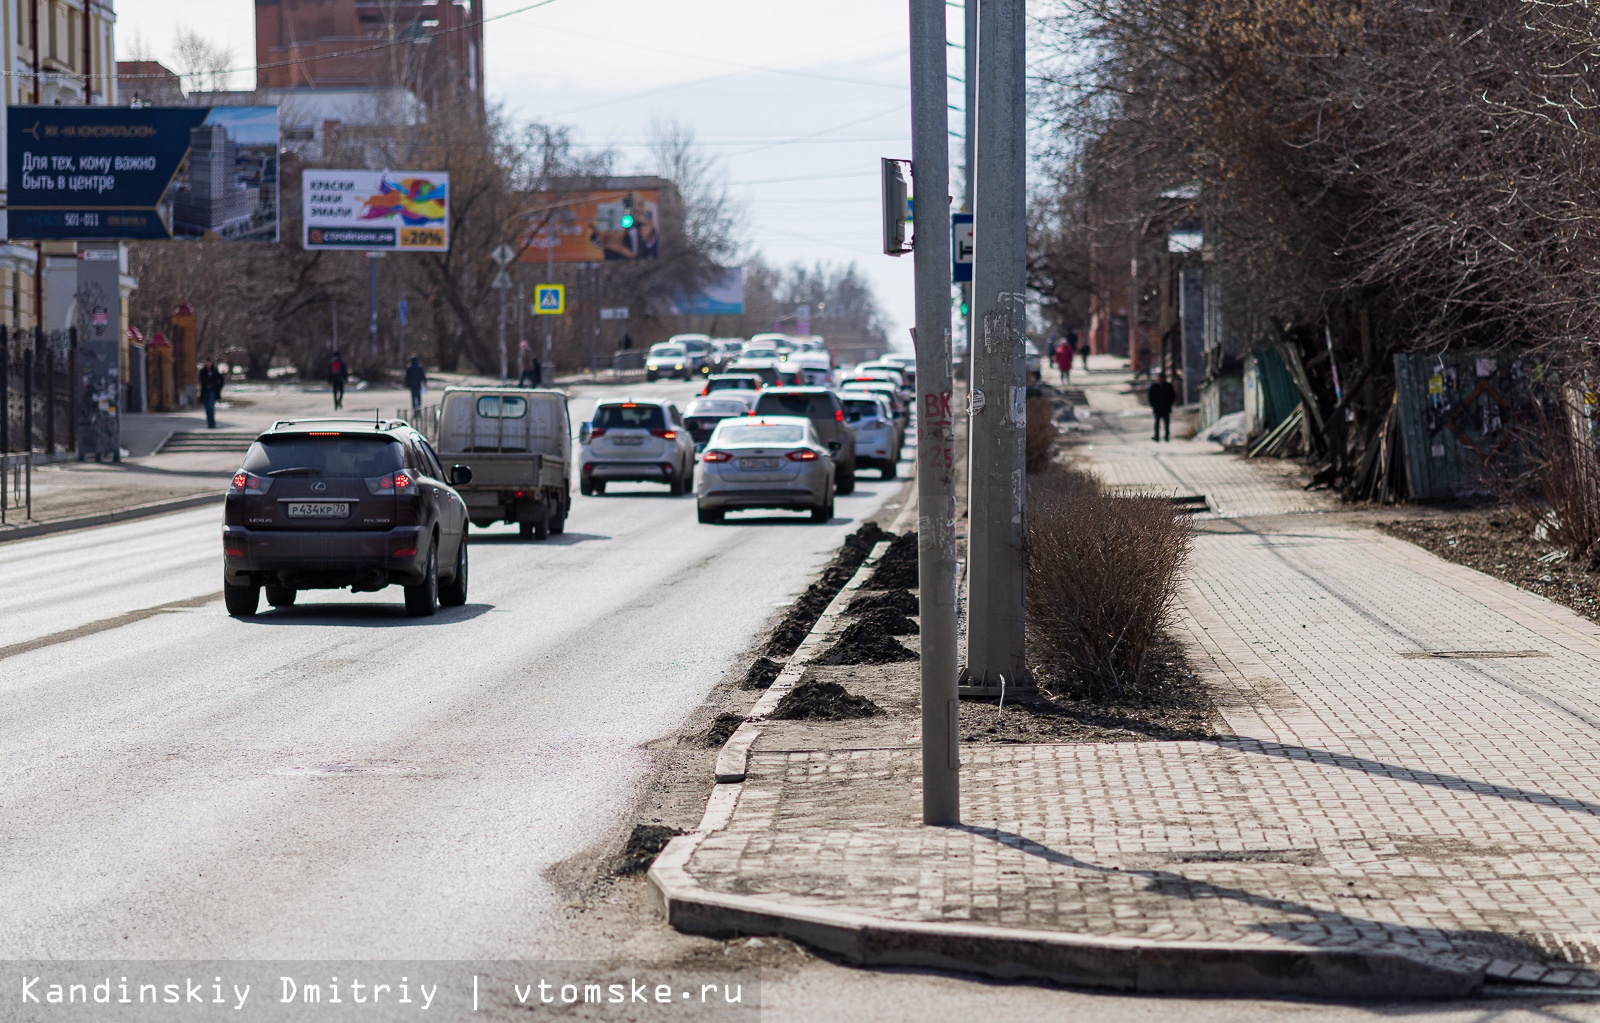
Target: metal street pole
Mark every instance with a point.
(969, 141)
(501, 287)
(936, 488)
(545, 365)
(372, 303)
(995, 612)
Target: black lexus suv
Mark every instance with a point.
(328, 503)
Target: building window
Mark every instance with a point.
(53, 51)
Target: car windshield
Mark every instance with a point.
(666, 352)
(758, 434)
(339, 455)
(629, 417)
(812, 405)
(857, 409)
(716, 408)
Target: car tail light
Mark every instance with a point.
(838, 415)
(705, 390)
(249, 483)
(803, 455)
(716, 456)
(665, 434)
(233, 552)
(596, 431)
(404, 552)
(394, 483)
(520, 493)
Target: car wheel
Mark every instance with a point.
(281, 596)
(541, 524)
(823, 512)
(889, 469)
(558, 521)
(710, 516)
(846, 481)
(585, 486)
(241, 600)
(598, 486)
(422, 599)
(688, 477)
(454, 592)
(651, 377)
(675, 484)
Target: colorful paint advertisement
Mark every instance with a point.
(591, 227)
(382, 211)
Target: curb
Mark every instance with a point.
(140, 511)
(1122, 964)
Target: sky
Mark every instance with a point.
(797, 101)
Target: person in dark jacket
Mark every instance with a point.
(211, 380)
(1162, 397)
(416, 379)
(338, 373)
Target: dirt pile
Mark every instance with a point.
(891, 622)
(722, 730)
(643, 846)
(762, 673)
(823, 701)
(897, 569)
(864, 642)
(792, 630)
(902, 602)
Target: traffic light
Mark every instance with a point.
(627, 211)
(965, 308)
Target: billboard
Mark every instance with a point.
(384, 211)
(142, 173)
(721, 295)
(592, 227)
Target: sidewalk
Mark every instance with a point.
(1403, 798)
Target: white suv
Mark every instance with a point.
(631, 440)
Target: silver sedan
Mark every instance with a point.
(765, 462)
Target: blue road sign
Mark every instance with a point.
(960, 247)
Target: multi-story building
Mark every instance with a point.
(435, 47)
(57, 53)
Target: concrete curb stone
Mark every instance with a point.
(140, 511)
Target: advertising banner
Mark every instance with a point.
(722, 295)
(142, 173)
(592, 227)
(383, 211)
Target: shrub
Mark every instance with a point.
(1039, 439)
(1102, 577)
(1566, 471)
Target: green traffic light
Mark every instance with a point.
(627, 221)
(964, 309)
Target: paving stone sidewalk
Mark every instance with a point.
(1407, 764)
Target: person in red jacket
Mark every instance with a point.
(1064, 357)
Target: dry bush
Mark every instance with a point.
(1102, 579)
(1040, 436)
(1566, 473)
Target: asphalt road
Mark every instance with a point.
(338, 780)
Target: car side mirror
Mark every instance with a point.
(584, 432)
(460, 475)
(834, 446)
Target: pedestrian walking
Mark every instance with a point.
(1162, 397)
(416, 379)
(1064, 357)
(531, 370)
(338, 374)
(1082, 349)
(211, 381)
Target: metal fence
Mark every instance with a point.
(38, 370)
(618, 366)
(424, 420)
(16, 487)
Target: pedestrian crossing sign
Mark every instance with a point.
(549, 299)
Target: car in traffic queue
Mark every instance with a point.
(322, 504)
(885, 389)
(878, 435)
(761, 366)
(732, 382)
(766, 462)
(816, 368)
(826, 413)
(907, 375)
(518, 443)
(702, 415)
(668, 360)
(699, 348)
(635, 440)
(724, 350)
(894, 381)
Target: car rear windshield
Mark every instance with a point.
(813, 406)
(629, 417)
(340, 455)
(781, 434)
(736, 384)
(856, 410)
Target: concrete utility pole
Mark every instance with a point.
(936, 488)
(372, 302)
(995, 612)
(969, 141)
